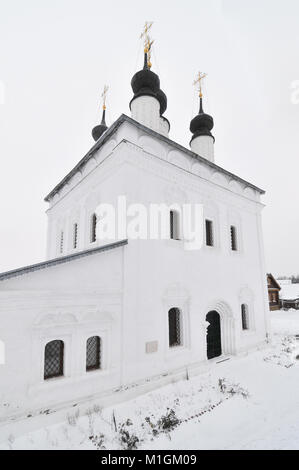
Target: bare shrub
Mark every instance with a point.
(72, 419)
(128, 439)
(231, 388)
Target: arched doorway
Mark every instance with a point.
(214, 348)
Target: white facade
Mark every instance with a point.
(146, 111)
(204, 146)
(123, 295)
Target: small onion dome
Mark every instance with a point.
(202, 124)
(145, 82)
(100, 129)
(166, 120)
(161, 97)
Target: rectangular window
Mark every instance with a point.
(174, 325)
(245, 320)
(61, 242)
(75, 236)
(174, 226)
(93, 228)
(209, 233)
(233, 238)
(93, 353)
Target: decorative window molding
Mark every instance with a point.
(247, 316)
(73, 329)
(176, 296)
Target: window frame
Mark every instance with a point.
(245, 319)
(93, 227)
(174, 225)
(209, 233)
(75, 235)
(61, 373)
(178, 327)
(233, 238)
(61, 242)
(98, 365)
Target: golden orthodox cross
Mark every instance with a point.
(198, 82)
(147, 40)
(104, 95)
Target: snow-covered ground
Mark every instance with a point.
(250, 402)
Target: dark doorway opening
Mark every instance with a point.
(213, 335)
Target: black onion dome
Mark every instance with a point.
(202, 124)
(147, 83)
(100, 129)
(166, 120)
(161, 97)
(145, 80)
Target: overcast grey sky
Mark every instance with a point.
(55, 57)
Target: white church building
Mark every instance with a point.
(101, 316)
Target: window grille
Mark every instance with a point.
(174, 226)
(53, 366)
(93, 353)
(233, 237)
(93, 228)
(61, 242)
(174, 325)
(245, 320)
(75, 234)
(209, 233)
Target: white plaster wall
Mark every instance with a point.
(164, 275)
(102, 181)
(209, 277)
(146, 110)
(204, 146)
(71, 302)
(125, 294)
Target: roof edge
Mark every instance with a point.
(61, 260)
(274, 280)
(124, 118)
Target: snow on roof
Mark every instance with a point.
(284, 282)
(289, 291)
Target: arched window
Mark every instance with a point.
(174, 327)
(93, 228)
(93, 353)
(54, 358)
(174, 225)
(245, 317)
